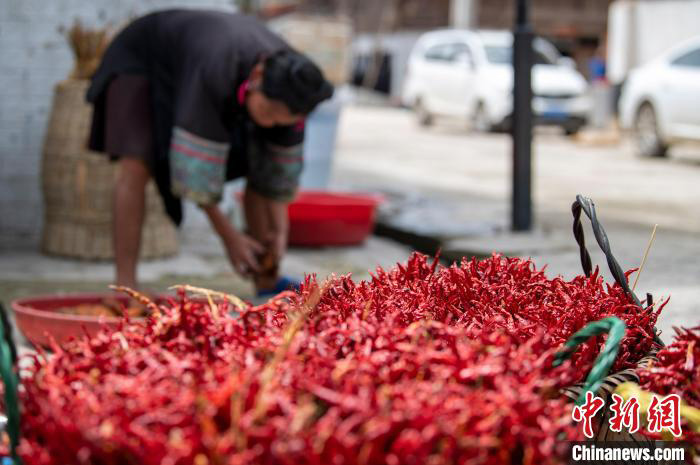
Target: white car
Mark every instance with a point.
(660, 101)
(469, 74)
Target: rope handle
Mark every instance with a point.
(615, 329)
(8, 360)
(586, 205)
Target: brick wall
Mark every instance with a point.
(34, 55)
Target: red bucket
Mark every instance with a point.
(320, 218)
(323, 218)
(38, 317)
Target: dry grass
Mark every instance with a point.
(88, 46)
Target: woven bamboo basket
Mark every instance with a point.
(77, 187)
(610, 383)
(601, 424)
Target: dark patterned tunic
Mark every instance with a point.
(197, 63)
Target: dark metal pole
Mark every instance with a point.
(521, 214)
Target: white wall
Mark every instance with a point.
(639, 31)
(34, 56)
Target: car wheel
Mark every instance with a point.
(425, 118)
(646, 133)
(480, 119)
(572, 129)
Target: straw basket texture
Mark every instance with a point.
(601, 424)
(77, 187)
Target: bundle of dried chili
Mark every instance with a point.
(677, 371)
(498, 292)
(425, 393)
(419, 365)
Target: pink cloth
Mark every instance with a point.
(242, 91)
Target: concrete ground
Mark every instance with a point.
(448, 188)
(200, 263)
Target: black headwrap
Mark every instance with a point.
(296, 81)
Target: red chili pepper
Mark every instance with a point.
(421, 364)
(677, 371)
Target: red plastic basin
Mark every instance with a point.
(320, 218)
(37, 318)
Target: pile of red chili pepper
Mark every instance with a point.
(677, 371)
(419, 365)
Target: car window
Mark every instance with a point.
(448, 52)
(436, 52)
(457, 50)
(542, 59)
(549, 53)
(691, 58)
(500, 55)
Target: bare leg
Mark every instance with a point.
(127, 217)
(256, 217)
(260, 228)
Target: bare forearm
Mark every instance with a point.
(218, 221)
(240, 248)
